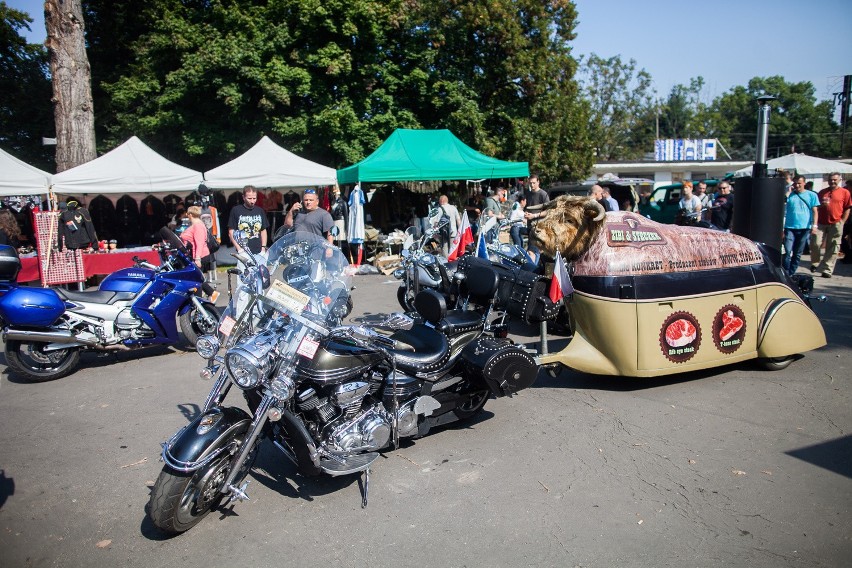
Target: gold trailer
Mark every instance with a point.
(653, 299)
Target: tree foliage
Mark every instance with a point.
(622, 105)
(332, 79)
(25, 111)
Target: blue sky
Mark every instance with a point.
(725, 41)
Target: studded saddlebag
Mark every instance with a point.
(505, 367)
(526, 295)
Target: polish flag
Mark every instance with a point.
(463, 237)
(560, 284)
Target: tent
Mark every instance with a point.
(20, 178)
(266, 164)
(421, 155)
(802, 164)
(130, 168)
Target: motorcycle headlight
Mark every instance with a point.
(246, 369)
(399, 273)
(207, 346)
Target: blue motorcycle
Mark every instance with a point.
(45, 329)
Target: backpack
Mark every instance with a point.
(445, 224)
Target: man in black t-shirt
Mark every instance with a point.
(722, 212)
(250, 219)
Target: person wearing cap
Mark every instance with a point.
(250, 219)
(307, 216)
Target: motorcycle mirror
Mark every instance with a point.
(335, 231)
(405, 252)
(240, 238)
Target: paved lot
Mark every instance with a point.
(734, 467)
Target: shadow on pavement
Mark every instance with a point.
(834, 455)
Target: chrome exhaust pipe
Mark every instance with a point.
(58, 336)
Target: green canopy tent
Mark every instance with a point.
(421, 155)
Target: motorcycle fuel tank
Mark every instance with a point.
(127, 280)
(31, 307)
(334, 362)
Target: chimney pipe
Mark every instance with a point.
(763, 112)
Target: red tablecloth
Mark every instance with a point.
(93, 264)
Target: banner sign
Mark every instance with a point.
(685, 150)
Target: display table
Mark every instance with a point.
(93, 264)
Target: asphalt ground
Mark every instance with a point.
(730, 467)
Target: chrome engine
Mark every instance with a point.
(355, 416)
(128, 326)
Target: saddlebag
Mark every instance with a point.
(503, 366)
(525, 295)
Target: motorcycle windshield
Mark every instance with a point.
(301, 273)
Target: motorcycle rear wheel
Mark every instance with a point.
(32, 363)
(193, 325)
(472, 406)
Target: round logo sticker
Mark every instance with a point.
(729, 328)
(680, 337)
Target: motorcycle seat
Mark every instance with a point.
(94, 296)
(457, 322)
(429, 351)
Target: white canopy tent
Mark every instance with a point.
(132, 168)
(266, 164)
(802, 164)
(20, 178)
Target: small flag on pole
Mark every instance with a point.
(481, 248)
(463, 237)
(560, 284)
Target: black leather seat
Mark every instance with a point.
(479, 287)
(430, 349)
(94, 296)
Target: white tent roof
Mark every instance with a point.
(133, 167)
(266, 164)
(802, 164)
(20, 178)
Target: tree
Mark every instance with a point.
(797, 123)
(332, 79)
(682, 113)
(25, 112)
(621, 105)
(72, 93)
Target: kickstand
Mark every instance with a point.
(365, 488)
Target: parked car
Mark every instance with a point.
(623, 190)
(663, 202)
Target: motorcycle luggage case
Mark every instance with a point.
(525, 295)
(10, 264)
(505, 367)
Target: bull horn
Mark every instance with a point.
(594, 209)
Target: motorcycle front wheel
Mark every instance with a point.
(179, 500)
(193, 324)
(404, 298)
(31, 362)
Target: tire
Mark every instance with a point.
(473, 405)
(193, 325)
(404, 300)
(30, 362)
(776, 363)
(179, 501)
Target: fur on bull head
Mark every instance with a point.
(569, 224)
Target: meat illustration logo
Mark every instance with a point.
(680, 337)
(729, 328)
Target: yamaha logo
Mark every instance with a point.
(136, 275)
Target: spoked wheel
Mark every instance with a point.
(776, 363)
(32, 362)
(179, 501)
(472, 406)
(193, 324)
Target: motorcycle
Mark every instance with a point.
(421, 269)
(45, 329)
(330, 397)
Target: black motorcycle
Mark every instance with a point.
(329, 397)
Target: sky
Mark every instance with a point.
(727, 42)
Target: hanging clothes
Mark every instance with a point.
(76, 230)
(127, 222)
(103, 217)
(152, 217)
(356, 221)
